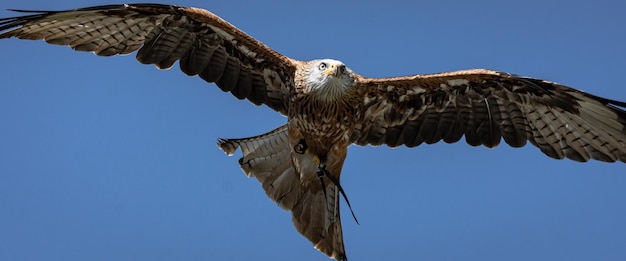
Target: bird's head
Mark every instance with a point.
(329, 79)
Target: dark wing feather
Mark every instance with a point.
(487, 106)
(204, 44)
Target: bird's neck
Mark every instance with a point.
(330, 91)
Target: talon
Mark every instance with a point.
(321, 168)
(321, 172)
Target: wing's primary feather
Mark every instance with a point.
(487, 106)
(203, 43)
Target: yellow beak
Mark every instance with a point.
(334, 70)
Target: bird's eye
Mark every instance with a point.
(322, 66)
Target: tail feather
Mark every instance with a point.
(315, 213)
(267, 157)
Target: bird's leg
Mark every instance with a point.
(321, 172)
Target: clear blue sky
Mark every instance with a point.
(108, 159)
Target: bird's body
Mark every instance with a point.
(323, 117)
(329, 107)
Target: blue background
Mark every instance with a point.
(107, 159)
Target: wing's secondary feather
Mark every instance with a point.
(487, 106)
(204, 44)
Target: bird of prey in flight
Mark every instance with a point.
(329, 107)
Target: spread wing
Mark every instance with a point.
(487, 106)
(203, 43)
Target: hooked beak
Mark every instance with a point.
(335, 70)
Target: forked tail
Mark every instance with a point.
(315, 213)
(267, 157)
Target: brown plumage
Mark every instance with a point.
(329, 107)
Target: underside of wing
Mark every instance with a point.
(487, 106)
(204, 44)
